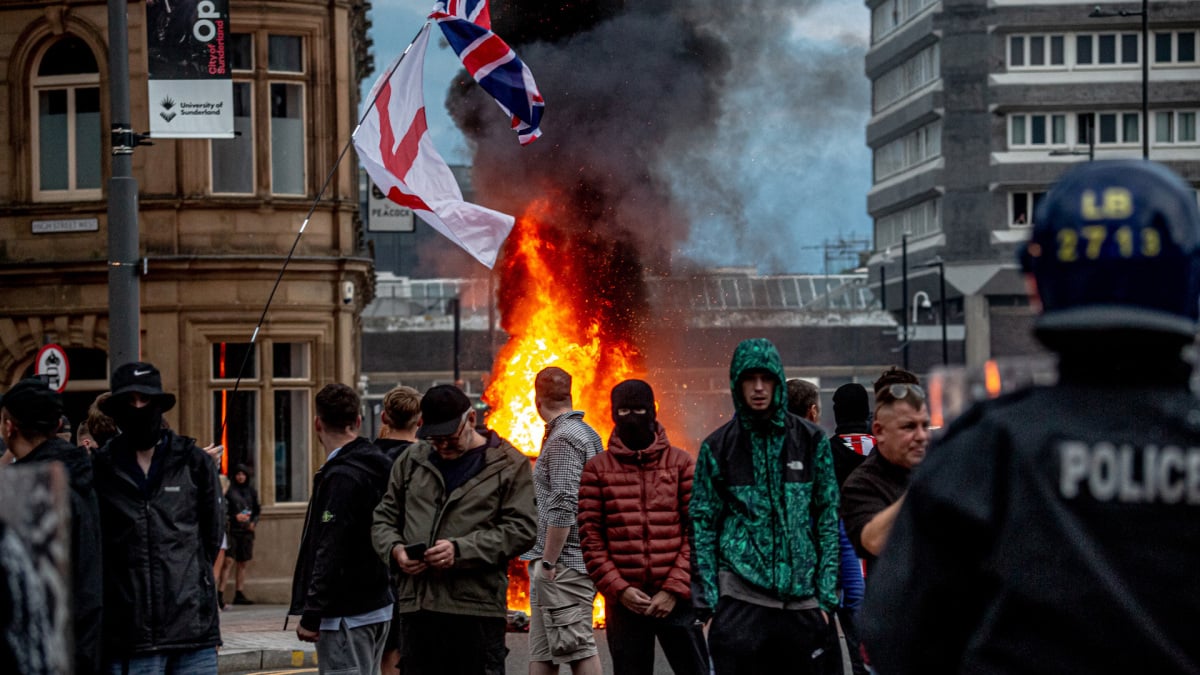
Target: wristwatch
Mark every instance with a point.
(547, 565)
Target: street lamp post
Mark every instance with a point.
(941, 265)
(920, 301)
(883, 286)
(124, 299)
(1097, 12)
(904, 296)
(454, 308)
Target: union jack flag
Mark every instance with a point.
(475, 11)
(493, 64)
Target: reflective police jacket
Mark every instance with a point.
(1055, 530)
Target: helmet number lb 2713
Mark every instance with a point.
(1147, 245)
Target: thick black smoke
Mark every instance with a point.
(651, 109)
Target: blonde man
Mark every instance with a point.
(400, 419)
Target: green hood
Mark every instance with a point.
(761, 354)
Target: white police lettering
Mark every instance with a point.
(1108, 472)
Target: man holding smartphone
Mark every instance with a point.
(458, 506)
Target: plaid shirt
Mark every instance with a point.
(568, 444)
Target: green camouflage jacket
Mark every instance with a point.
(765, 498)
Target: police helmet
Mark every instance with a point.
(1116, 245)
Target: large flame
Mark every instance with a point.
(548, 324)
(551, 321)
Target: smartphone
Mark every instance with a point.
(415, 552)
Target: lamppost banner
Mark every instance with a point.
(191, 93)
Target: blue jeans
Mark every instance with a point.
(198, 662)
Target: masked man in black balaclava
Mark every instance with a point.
(162, 519)
(633, 510)
(634, 414)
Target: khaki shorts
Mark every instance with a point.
(560, 628)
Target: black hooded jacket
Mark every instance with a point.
(337, 570)
(159, 548)
(87, 579)
(845, 459)
(241, 497)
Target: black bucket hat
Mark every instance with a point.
(137, 378)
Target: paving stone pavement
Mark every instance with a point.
(255, 639)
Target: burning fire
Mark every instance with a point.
(552, 319)
(549, 324)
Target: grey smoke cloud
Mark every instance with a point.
(715, 132)
(795, 170)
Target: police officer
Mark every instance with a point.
(1055, 529)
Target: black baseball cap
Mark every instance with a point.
(32, 402)
(137, 378)
(442, 410)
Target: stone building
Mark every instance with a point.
(979, 105)
(217, 219)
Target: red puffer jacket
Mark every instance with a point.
(633, 518)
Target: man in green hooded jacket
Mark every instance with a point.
(764, 510)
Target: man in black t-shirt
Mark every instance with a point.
(872, 495)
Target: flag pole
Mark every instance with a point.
(312, 209)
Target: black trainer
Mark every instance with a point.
(239, 599)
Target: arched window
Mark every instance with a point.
(67, 136)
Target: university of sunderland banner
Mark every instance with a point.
(191, 93)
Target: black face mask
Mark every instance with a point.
(142, 426)
(635, 431)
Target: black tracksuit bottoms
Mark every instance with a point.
(745, 639)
